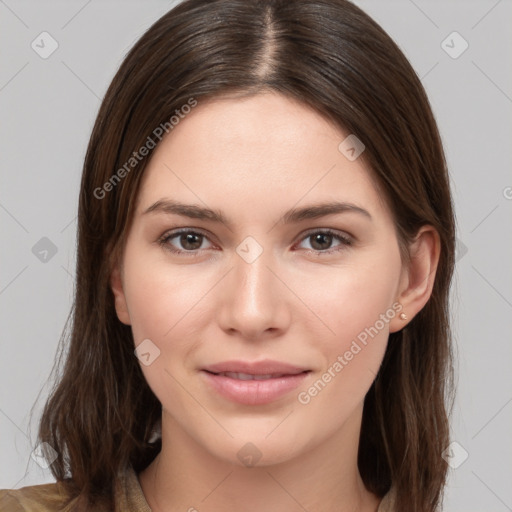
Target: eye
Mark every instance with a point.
(190, 242)
(321, 241)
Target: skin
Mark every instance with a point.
(300, 301)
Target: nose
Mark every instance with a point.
(254, 303)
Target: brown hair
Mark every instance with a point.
(327, 54)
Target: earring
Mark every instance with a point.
(403, 316)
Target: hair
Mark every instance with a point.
(331, 56)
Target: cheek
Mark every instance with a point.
(162, 299)
(351, 299)
(165, 307)
(355, 307)
(169, 306)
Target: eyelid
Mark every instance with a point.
(173, 233)
(329, 231)
(344, 238)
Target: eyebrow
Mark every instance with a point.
(294, 215)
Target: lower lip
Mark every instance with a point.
(254, 392)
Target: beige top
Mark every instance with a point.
(129, 498)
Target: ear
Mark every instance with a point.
(116, 283)
(418, 276)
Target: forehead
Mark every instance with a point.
(253, 153)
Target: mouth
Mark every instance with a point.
(249, 376)
(255, 383)
(264, 368)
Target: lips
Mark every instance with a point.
(253, 383)
(249, 376)
(265, 367)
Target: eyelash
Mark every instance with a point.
(345, 241)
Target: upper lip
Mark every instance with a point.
(265, 367)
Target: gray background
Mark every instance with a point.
(47, 111)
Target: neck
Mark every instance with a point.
(185, 476)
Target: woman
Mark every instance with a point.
(265, 249)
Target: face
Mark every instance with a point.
(259, 272)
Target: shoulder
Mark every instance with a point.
(35, 498)
(55, 497)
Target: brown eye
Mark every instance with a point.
(185, 242)
(321, 241)
(189, 241)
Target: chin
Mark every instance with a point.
(257, 450)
